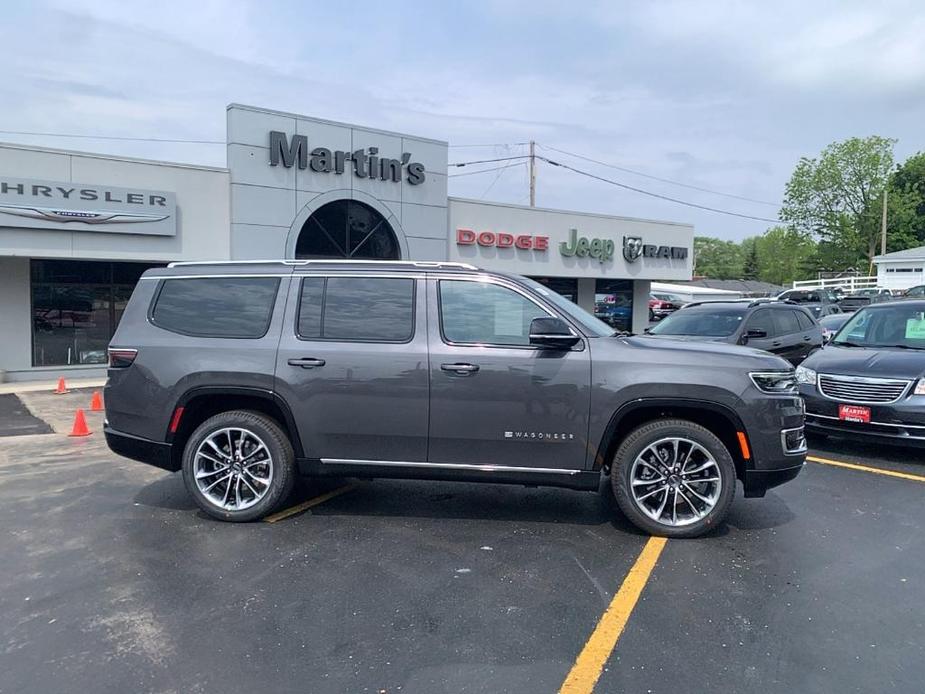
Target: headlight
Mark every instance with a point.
(807, 376)
(776, 382)
(919, 387)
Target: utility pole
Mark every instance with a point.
(533, 174)
(883, 225)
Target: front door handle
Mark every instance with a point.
(306, 362)
(807, 338)
(460, 368)
(776, 343)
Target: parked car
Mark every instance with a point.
(616, 314)
(869, 380)
(864, 297)
(777, 327)
(917, 292)
(819, 302)
(243, 375)
(661, 305)
(831, 324)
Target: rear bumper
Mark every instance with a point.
(156, 453)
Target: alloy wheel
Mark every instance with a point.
(675, 481)
(233, 468)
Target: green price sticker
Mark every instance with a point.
(915, 329)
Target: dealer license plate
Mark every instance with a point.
(854, 413)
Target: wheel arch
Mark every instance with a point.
(202, 402)
(718, 418)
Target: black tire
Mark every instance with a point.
(280, 451)
(637, 441)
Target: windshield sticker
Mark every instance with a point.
(915, 329)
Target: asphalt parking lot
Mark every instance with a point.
(113, 581)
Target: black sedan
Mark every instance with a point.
(869, 380)
(781, 328)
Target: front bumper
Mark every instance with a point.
(156, 453)
(774, 429)
(901, 422)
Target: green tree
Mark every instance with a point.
(783, 254)
(836, 199)
(717, 259)
(906, 205)
(750, 266)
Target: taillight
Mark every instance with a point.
(120, 358)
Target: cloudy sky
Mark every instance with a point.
(718, 95)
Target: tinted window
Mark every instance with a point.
(762, 320)
(701, 322)
(786, 322)
(484, 313)
(370, 309)
(216, 307)
(311, 302)
(806, 323)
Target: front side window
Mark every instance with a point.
(762, 320)
(485, 313)
(786, 322)
(364, 309)
(235, 307)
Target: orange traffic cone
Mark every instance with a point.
(62, 387)
(80, 425)
(96, 402)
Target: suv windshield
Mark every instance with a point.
(701, 322)
(896, 326)
(593, 327)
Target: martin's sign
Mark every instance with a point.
(365, 163)
(86, 207)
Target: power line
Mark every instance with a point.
(487, 161)
(490, 144)
(480, 171)
(658, 178)
(655, 195)
(114, 137)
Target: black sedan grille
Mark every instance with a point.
(862, 390)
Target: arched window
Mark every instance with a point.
(347, 229)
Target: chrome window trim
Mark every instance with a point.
(448, 466)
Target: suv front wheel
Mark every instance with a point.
(673, 478)
(238, 465)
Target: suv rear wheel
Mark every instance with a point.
(673, 478)
(238, 465)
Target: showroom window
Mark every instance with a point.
(76, 306)
(565, 286)
(613, 303)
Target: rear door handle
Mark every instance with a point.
(306, 362)
(460, 368)
(806, 338)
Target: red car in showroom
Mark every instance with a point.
(661, 305)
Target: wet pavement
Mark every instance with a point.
(113, 581)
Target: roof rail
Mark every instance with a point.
(333, 261)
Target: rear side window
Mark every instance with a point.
(216, 307)
(363, 309)
(806, 323)
(787, 323)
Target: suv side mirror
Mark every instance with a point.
(553, 333)
(753, 334)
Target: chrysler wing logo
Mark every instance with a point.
(632, 248)
(51, 214)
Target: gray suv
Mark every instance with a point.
(243, 375)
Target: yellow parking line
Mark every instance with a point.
(590, 663)
(305, 505)
(865, 468)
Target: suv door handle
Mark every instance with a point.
(807, 338)
(306, 362)
(460, 368)
(776, 343)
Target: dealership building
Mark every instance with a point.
(77, 229)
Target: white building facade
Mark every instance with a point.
(902, 269)
(77, 229)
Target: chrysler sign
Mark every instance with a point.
(86, 207)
